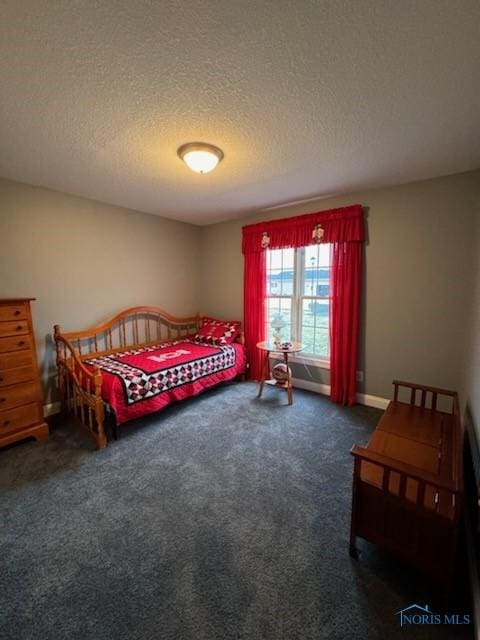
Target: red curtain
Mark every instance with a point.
(255, 289)
(343, 229)
(338, 225)
(345, 284)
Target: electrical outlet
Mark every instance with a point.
(359, 376)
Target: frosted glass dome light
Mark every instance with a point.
(200, 156)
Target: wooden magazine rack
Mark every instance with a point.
(408, 481)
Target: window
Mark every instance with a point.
(298, 289)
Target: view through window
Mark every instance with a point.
(298, 292)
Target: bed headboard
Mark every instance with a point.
(134, 327)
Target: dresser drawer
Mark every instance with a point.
(14, 343)
(17, 328)
(17, 395)
(13, 312)
(15, 376)
(18, 418)
(16, 359)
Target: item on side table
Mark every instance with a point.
(277, 324)
(281, 372)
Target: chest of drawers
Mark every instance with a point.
(21, 404)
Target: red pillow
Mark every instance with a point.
(218, 332)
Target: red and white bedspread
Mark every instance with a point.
(138, 382)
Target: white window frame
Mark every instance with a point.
(297, 310)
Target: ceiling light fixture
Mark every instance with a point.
(200, 156)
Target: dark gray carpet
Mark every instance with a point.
(222, 517)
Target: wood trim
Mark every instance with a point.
(404, 469)
(109, 324)
(422, 387)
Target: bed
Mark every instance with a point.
(140, 361)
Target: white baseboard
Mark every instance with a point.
(324, 389)
(372, 401)
(51, 409)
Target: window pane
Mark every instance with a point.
(315, 326)
(316, 274)
(281, 307)
(274, 282)
(288, 257)
(320, 253)
(280, 258)
(322, 343)
(287, 282)
(280, 272)
(323, 287)
(308, 317)
(310, 282)
(280, 279)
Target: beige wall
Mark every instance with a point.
(85, 261)
(418, 279)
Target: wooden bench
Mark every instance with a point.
(408, 480)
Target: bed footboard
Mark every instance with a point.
(80, 390)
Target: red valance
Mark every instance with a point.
(337, 225)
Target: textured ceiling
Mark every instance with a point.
(305, 97)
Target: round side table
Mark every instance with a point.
(266, 378)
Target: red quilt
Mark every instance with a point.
(135, 383)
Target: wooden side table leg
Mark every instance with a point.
(264, 374)
(289, 380)
(290, 393)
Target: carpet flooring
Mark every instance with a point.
(223, 517)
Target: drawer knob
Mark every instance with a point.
(1, 379)
(6, 423)
(19, 328)
(21, 343)
(2, 399)
(17, 312)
